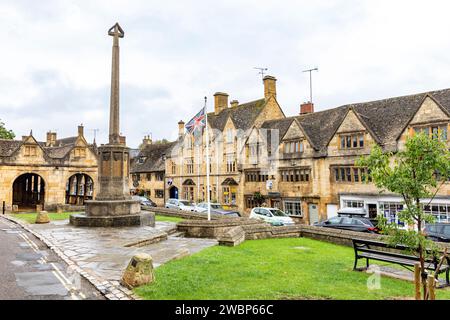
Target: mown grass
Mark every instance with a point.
(297, 268)
(167, 218)
(31, 216)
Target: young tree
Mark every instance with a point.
(258, 198)
(417, 172)
(6, 134)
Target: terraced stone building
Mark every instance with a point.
(47, 175)
(303, 164)
(148, 170)
(311, 170)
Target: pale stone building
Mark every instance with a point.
(312, 171)
(229, 125)
(148, 170)
(57, 172)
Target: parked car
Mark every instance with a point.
(349, 223)
(145, 202)
(216, 208)
(438, 232)
(180, 204)
(274, 216)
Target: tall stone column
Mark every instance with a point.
(116, 32)
(113, 206)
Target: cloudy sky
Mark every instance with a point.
(55, 58)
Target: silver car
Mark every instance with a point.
(216, 208)
(180, 204)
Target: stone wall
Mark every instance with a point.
(232, 232)
(190, 215)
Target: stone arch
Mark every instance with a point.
(79, 188)
(28, 191)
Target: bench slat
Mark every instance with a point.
(392, 254)
(393, 259)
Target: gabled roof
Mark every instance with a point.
(7, 147)
(61, 149)
(282, 125)
(385, 119)
(321, 126)
(243, 115)
(153, 155)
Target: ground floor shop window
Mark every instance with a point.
(293, 208)
(159, 193)
(441, 212)
(390, 210)
(250, 203)
(353, 204)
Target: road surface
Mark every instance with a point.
(29, 270)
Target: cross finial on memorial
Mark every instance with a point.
(117, 32)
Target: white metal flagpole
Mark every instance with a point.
(207, 163)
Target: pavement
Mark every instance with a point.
(31, 271)
(105, 252)
(100, 255)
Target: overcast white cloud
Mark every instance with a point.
(55, 57)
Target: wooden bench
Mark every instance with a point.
(375, 250)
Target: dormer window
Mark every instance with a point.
(79, 152)
(352, 141)
(229, 135)
(141, 160)
(434, 131)
(30, 151)
(295, 146)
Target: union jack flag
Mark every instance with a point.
(197, 122)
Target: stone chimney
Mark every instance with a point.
(180, 128)
(306, 107)
(234, 103)
(147, 141)
(220, 102)
(270, 87)
(81, 130)
(51, 139)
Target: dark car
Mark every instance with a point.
(349, 223)
(438, 232)
(145, 202)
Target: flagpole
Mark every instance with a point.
(207, 163)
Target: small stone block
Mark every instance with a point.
(42, 217)
(139, 271)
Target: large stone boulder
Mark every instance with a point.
(139, 271)
(42, 217)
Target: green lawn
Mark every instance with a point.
(31, 216)
(297, 268)
(167, 218)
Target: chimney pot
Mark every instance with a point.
(220, 102)
(147, 140)
(234, 103)
(307, 107)
(180, 128)
(270, 87)
(80, 130)
(51, 139)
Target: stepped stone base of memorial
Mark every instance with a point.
(117, 213)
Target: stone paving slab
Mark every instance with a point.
(101, 254)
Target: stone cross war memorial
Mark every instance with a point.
(113, 206)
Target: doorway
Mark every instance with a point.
(173, 192)
(373, 212)
(313, 213)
